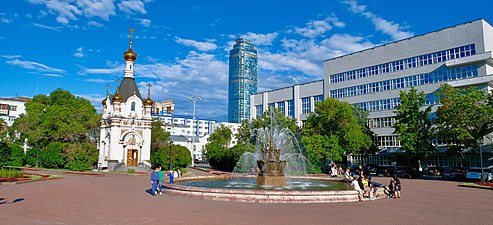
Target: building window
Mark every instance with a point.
(317, 98)
(132, 107)
(282, 107)
(13, 108)
(260, 110)
(291, 108)
(272, 106)
(305, 105)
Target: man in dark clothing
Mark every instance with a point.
(154, 180)
(397, 186)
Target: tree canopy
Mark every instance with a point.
(333, 131)
(465, 116)
(413, 125)
(58, 117)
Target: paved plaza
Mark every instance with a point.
(122, 199)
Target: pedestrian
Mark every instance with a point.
(154, 181)
(171, 176)
(356, 187)
(160, 176)
(398, 187)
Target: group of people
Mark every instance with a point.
(335, 170)
(157, 179)
(364, 186)
(394, 188)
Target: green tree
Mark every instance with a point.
(59, 117)
(362, 118)
(80, 156)
(332, 132)
(217, 150)
(180, 156)
(413, 125)
(159, 137)
(5, 154)
(51, 155)
(465, 116)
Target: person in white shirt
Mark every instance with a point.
(356, 187)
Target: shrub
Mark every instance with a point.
(51, 155)
(80, 157)
(17, 157)
(9, 173)
(180, 155)
(5, 154)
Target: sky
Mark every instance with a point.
(183, 46)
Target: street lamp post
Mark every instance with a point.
(193, 99)
(481, 158)
(170, 156)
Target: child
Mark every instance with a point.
(154, 180)
(160, 176)
(391, 188)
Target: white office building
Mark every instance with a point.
(297, 101)
(11, 108)
(372, 78)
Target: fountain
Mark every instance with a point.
(271, 170)
(279, 176)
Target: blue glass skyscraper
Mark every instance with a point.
(243, 74)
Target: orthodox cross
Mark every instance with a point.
(117, 83)
(149, 85)
(131, 31)
(107, 87)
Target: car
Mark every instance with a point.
(475, 174)
(385, 170)
(434, 170)
(455, 173)
(408, 172)
(370, 169)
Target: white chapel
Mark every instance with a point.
(125, 127)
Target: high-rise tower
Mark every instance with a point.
(243, 74)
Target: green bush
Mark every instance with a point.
(222, 158)
(80, 157)
(17, 157)
(51, 156)
(10, 173)
(180, 155)
(31, 157)
(5, 154)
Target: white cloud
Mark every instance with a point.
(79, 53)
(52, 75)
(391, 28)
(97, 8)
(99, 81)
(347, 43)
(11, 56)
(5, 20)
(202, 46)
(115, 71)
(260, 39)
(144, 22)
(317, 28)
(2, 38)
(33, 66)
(95, 24)
(46, 27)
(66, 11)
(132, 6)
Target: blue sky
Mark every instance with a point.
(183, 46)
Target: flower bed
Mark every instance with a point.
(486, 184)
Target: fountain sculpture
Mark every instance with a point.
(271, 169)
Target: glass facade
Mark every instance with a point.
(243, 75)
(306, 105)
(403, 64)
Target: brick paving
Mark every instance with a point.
(122, 199)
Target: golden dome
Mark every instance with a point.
(117, 97)
(148, 102)
(130, 55)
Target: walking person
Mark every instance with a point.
(154, 180)
(397, 187)
(357, 187)
(160, 175)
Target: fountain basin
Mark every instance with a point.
(261, 196)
